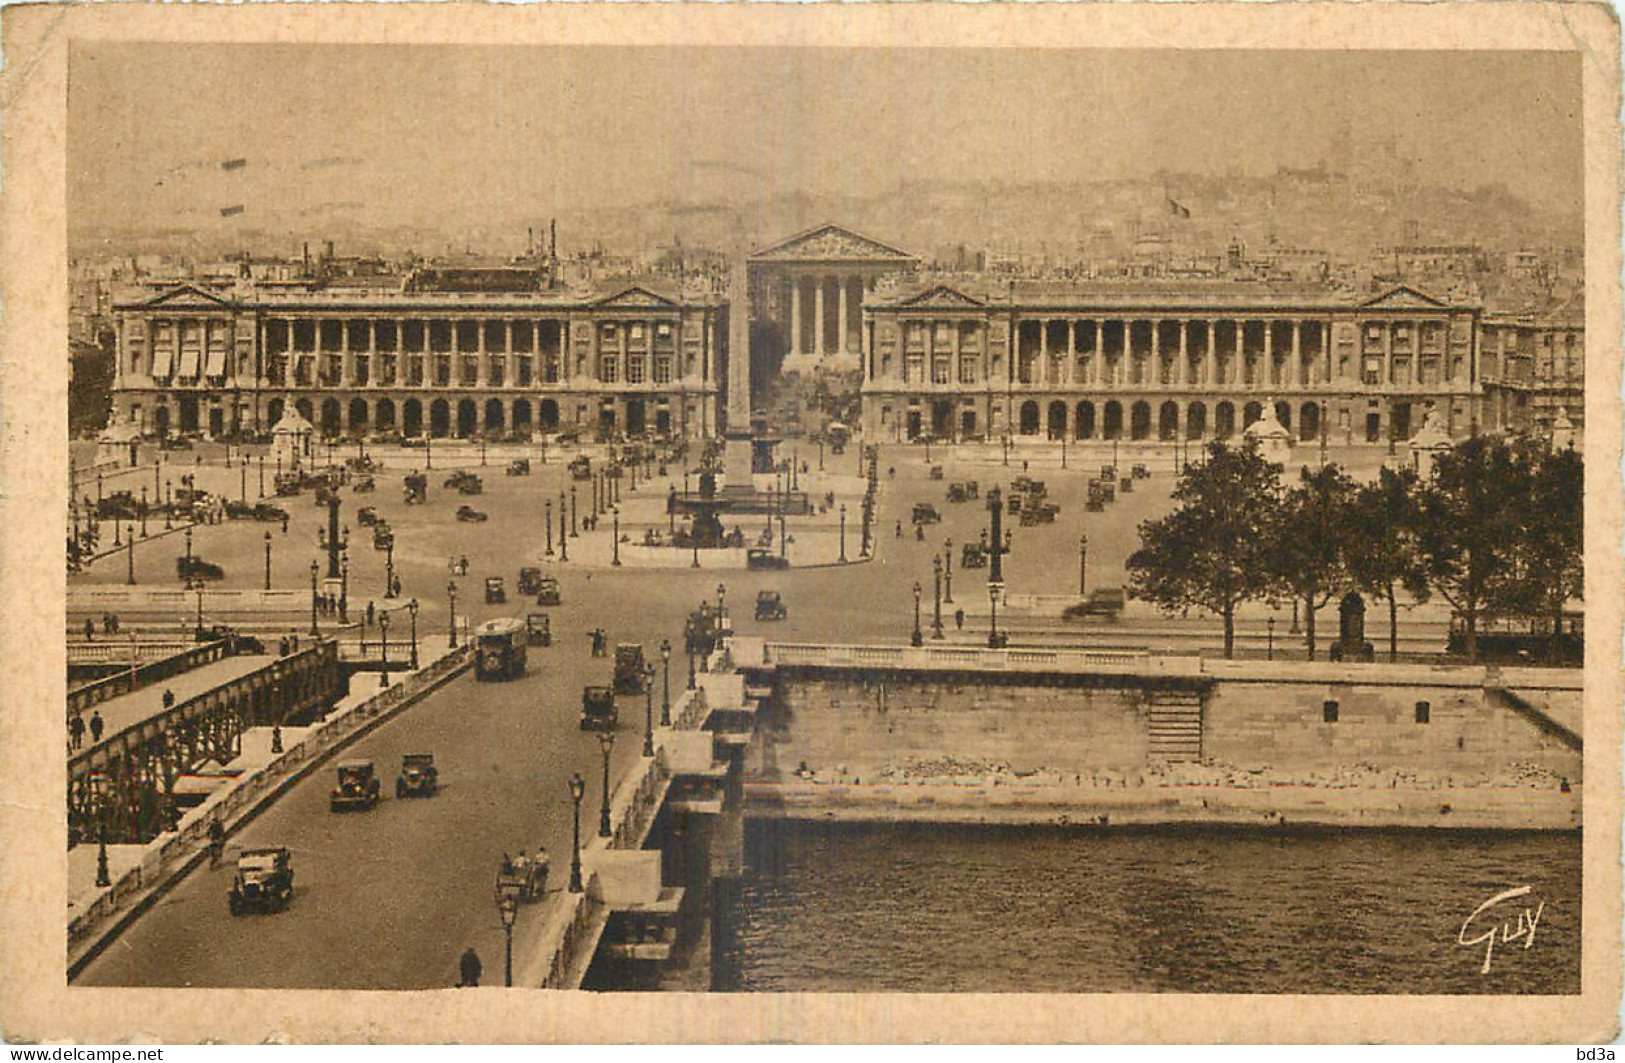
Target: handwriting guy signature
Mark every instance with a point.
(1508, 931)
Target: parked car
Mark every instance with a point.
(765, 560)
(263, 882)
(581, 468)
(470, 515)
(1103, 602)
(195, 568)
(419, 777)
(519, 467)
(358, 787)
(770, 606)
(598, 708)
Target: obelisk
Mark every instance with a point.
(736, 450)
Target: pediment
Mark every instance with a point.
(635, 299)
(942, 295)
(187, 297)
(1403, 297)
(831, 243)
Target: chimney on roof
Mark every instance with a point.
(328, 254)
(305, 256)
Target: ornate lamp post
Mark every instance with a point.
(262, 475)
(508, 909)
(916, 638)
(665, 692)
(389, 567)
(936, 615)
(564, 542)
(98, 787)
(242, 487)
(843, 533)
(451, 620)
(578, 790)
(547, 523)
(412, 608)
(948, 572)
(722, 590)
(606, 742)
(648, 710)
(1083, 562)
(144, 510)
(118, 532)
(315, 570)
(573, 533)
(1269, 651)
(129, 554)
(383, 648)
(616, 517)
(344, 588)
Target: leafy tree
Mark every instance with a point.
(1211, 552)
(1547, 564)
(1382, 546)
(1469, 525)
(90, 385)
(1307, 541)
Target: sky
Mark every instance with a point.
(415, 135)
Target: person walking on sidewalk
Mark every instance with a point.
(468, 969)
(96, 726)
(76, 732)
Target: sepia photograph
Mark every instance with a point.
(793, 515)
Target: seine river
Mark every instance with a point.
(917, 908)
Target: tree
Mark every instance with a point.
(1469, 526)
(1211, 552)
(1547, 564)
(90, 385)
(1383, 551)
(1307, 541)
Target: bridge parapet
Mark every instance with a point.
(977, 659)
(122, 682)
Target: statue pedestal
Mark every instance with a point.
(736, 460)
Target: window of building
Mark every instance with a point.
(1424, 712)
(914, 372)
(885, 415)
(663, 331)
(967, 370)
(608, 369)
(1328, 711)
(497, 372)
(471, 371)
(939, 371)
(523, 370)
(550, 369)
(634, 370)
(663, 370)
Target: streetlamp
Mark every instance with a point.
(616, 517)
(451, 621)
(564, 542)
(948, 572)
(665, 693)
(916, 639)
(412, 608)
(1083, 561)
(98, 787)
(242, 487)
(548, 524)
(648, 710)
(578, 790)
(573, 533)
(144, 510)
(1269, 652)
(389, 566)
(262, 475)
(606, 742)
(344, 588)
(508, 909)
(936, 616)
(383, 648)
(722, 589)
(1295, 629)
(315, 569)
(129, 554)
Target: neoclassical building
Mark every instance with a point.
(449, 353)
(1532, 367)
(1148, 362)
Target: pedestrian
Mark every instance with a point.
(959, 619)
(76, 732)
(1023, 464)
(96, 726)
(107, 623)
(115, 623)
(169, 699)
(284, 524)
(370, 613)
(90, 630)
(899, 529)
(468, 969)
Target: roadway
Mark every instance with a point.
(389, 898)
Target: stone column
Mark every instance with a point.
(795, 315)
(481, 375)
(1182, 378)
(1071, 352)
(1295, 366)
(1238, 369)
(346, 361)
(1043, 352)
(818, 317)
(1210, 354)
(840, 316)
(1098, 357)
(1269, 352)
(1387, 353)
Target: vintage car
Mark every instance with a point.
(416, 489)
(957, 492)
(519, 467)
(499, 647)
(419, 777)
(1103, 602)
(765, 560)
(366, 516)
(1139, 472)
(363, 485)
(470, 515)
(1108, 472)
(629, 678)
(538, 629)
(581, 468)
(936, 472)
(525, 876)
(194, 568)
(263, 882)
(288, 483)
(495, 590)
(547, 592)
(973, 555)
(926, 513)
(382, 537)
(358, 787)
(362, 464)
(598, 708)
(530, 580)
(770, 606)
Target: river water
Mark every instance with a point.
(843, 907)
